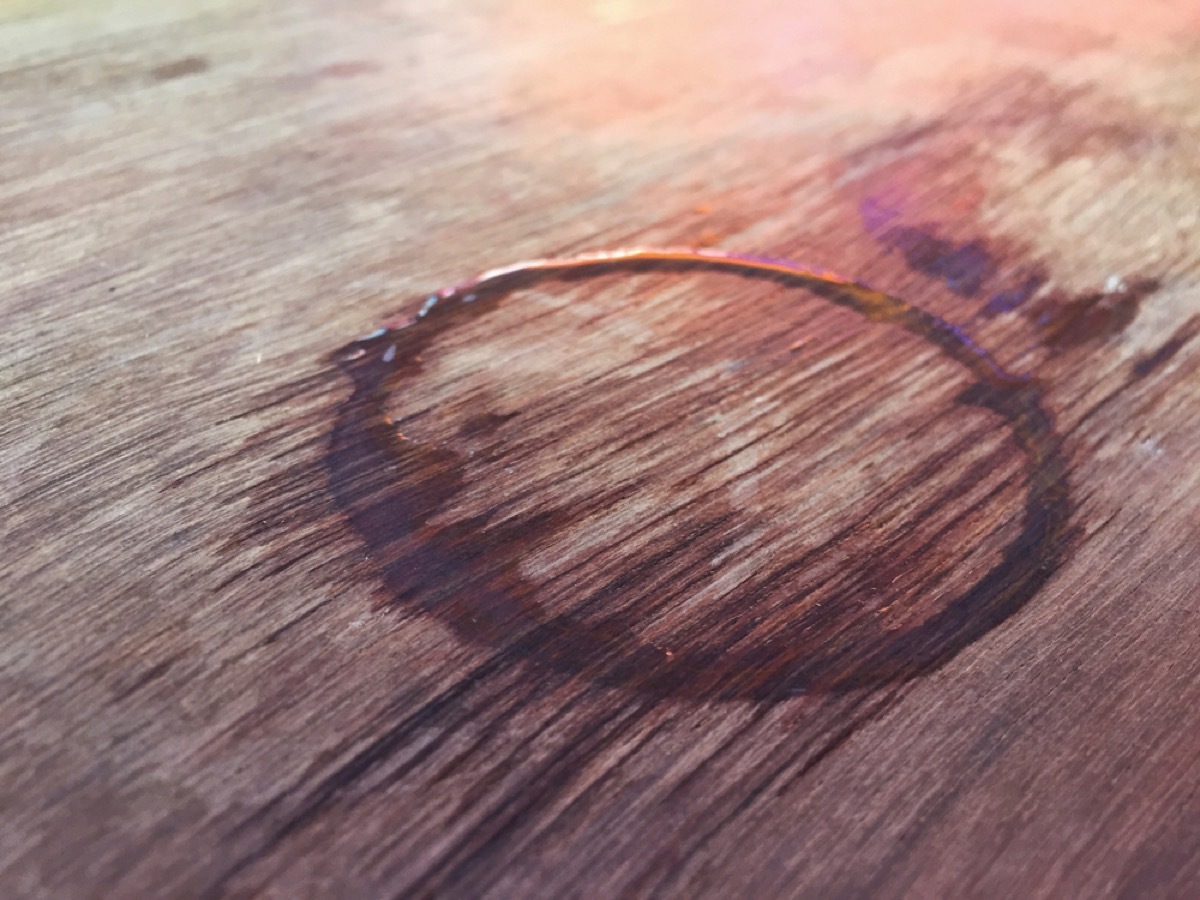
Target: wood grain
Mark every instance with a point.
(257, 643)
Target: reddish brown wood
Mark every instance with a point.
(239, 663)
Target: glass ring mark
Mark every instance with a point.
(389, 487)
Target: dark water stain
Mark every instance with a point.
(1060, 320)
(1147, 365)
(964, 267)
(1063, 321)
(181, 68)
(467, 574)
(1012, 298)
(920, 189)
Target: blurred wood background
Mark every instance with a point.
(248, 652)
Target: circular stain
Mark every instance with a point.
(467, 571)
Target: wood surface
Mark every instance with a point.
(662, 581)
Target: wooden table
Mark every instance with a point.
(657, 580)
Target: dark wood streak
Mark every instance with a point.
(180, 68)
(467, 575)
